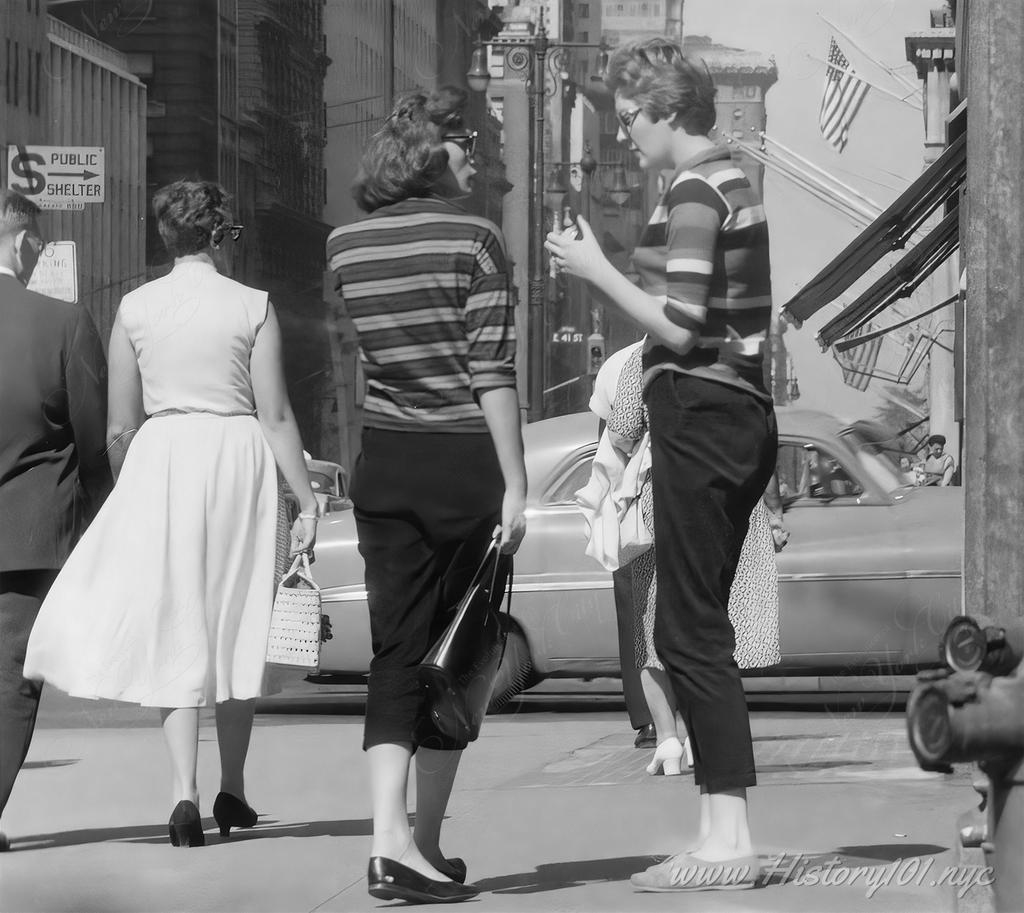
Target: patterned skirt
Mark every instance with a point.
(753, 600)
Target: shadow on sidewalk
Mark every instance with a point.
(555, 876)
(785, 868)
(777, 869)
(157, 833)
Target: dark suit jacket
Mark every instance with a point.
(53, 416)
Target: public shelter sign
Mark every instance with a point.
(58, 177)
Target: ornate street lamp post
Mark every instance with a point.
(530, 58)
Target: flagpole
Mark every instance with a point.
(805, 182)
(849, 202)
(850, 72)
(878, 209)
(897, 76)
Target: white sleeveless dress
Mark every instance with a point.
(166, 600)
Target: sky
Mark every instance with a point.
(884, 153)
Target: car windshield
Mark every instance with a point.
(323, 484)
(877, 460)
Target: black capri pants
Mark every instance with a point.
(425, 507)
(713, 450)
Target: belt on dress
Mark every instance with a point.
(165, 412)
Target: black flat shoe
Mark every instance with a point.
(454, 868)
(186, 827)
(390, 880)
(646, 737)
(230, 812)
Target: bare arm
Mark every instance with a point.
(947, 472)
(500, 406)
(274, 411)
(125, 412)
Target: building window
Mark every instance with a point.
(583, 10)
(17, 72)
(585, 37)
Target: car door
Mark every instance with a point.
(842, 578)
(563, 598)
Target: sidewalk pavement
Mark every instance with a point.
(551, 814)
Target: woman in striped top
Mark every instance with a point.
(704, 301)
(441, 466)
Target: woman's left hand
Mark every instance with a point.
(779, 532)
(582, 257)
(303, 535)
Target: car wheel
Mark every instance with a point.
(516, 672)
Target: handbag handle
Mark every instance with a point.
(300, 569)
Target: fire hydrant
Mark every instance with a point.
(974, 712)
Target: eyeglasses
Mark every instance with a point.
(217, 236)
(466, 140)
(627, 118)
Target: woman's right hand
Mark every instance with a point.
(303, 535)
(581, 257)
(513, 522)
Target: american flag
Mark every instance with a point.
(843, 94)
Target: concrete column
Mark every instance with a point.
(516, 211)
(941, 362)
(993, 236)
(944, 282)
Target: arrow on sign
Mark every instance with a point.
(84, 175)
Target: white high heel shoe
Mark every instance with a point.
(668, 757)
(688, 751)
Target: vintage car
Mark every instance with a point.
(329, 482)
(868, 581)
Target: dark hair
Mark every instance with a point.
(665, 84)
(187, 212)
(939, 439)
(406, 157)
(16, 212)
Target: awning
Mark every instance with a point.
(899, 282)
(937, 184)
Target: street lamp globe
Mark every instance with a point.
(588, 164)
(479, 75)
(620, 191)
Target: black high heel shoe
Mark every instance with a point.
(230, 811)
(454, 868)
(390, 880)
(186, 827)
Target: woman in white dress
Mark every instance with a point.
(166, 600)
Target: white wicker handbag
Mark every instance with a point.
(295, 625)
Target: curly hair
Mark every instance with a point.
(187, 213)
(406, 157)
(655, 74)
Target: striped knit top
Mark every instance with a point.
(705, 254)
(427, 287)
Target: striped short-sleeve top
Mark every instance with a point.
(427, 287)
(704, 253)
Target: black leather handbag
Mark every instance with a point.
(460, 670)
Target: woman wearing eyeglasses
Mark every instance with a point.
(704, 301)
(427, 286)
(166, 600)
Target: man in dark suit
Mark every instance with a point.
(53, 466)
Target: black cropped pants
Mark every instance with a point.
(425, 506)
(21, 595)
(713, 450)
